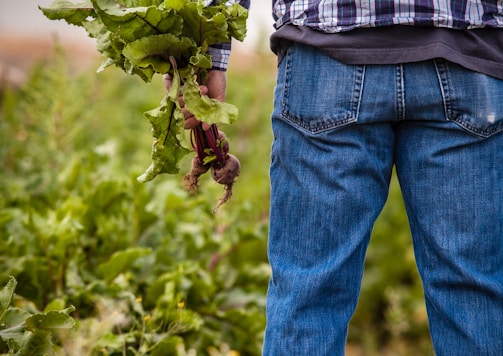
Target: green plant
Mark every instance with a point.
(24, 332)
(149, 268)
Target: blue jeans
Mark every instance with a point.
(338, 131)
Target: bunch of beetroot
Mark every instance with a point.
(151, 37)
(212, 153)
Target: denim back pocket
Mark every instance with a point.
(473, 100)
(316, 92)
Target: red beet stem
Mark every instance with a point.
(212, 136)
(197, 139)
(202, 140)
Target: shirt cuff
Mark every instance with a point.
(220, 54)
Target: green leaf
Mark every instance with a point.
(174, 91)
(167, 149)
(6, 295)
(56, 304)
(154, 51)
(74, 14)
(204, 28)
(174, 4)
(133, 3)
(170, 23)
(129, 23)
(39, 343)
(201, 61)
(237, 16)
(207, 109)
(107, 43)
(51, 321)
(121, 261)
(110, 341)
(13, 325)
(170, 345)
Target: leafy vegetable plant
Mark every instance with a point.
(25, 333)
(149, 271)
(145, 37)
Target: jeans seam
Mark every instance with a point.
(400, 92)
(443, 82)
(358, 80)
(287, 76)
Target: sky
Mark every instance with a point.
(22, 18)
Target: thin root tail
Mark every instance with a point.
(192, 182)
(225, 197)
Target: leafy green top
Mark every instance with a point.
(144, 37)
(139, 35)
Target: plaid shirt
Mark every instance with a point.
(344, 15)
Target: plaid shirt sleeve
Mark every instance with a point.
(220, 52)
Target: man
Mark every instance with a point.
(364, 86)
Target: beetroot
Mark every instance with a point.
(198, 168)
(212, 152)
(226, 175)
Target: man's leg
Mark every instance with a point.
(329, 183)
(451, 176)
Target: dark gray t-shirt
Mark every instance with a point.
(479, 50)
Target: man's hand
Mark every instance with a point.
(215, 87)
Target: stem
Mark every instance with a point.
(211, 136)
(173, 105)
(169, 123)
(199, 143)
(173, 63)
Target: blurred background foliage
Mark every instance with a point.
(148, 267)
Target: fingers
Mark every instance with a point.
(167, 80)
(192, 122)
